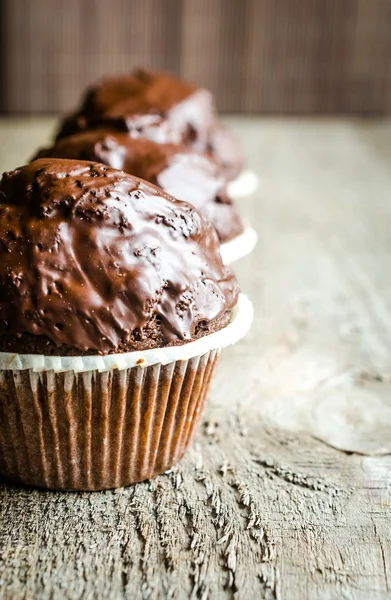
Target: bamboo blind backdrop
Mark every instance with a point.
(257, 56)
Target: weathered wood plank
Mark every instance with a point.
(259, 508)
(251, 512)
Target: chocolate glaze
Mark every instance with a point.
(94, 260)
(180, 171)
(225, 148)
(145, 104)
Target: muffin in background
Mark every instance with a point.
(114, 304)
(145, 103)
(177, 169)
(160, 107)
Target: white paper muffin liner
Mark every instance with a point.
(245, 184)
(76, 424)
(240, 246)
(239, 325)
(94, 431)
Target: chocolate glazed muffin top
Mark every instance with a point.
(145, 104)
(96, 261)
(180, 171)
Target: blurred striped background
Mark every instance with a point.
(257, 56)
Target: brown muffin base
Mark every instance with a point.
(95, 431)
(150, 338)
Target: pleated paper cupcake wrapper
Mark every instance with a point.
(240, 246)
(94, 431)
(102, 428)
(245, 184)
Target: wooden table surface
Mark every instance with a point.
(286, 492)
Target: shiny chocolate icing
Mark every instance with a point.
(180, 171)
(147, 104)
(225, 148)
(94, 260)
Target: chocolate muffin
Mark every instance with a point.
(114, 304)
(147, 104)
(177, 169)
(159, 107)
(94, 260)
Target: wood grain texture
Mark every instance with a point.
(263, 505)
(257, 56)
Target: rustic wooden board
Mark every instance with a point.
(264, 505)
